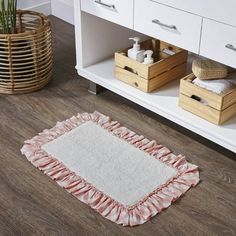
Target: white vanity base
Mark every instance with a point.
(96, 42)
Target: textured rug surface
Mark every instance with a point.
(124, 176)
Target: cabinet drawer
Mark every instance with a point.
(219, 42)
(117, 11)
(173, 26)
(222, 11)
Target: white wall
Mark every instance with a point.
(43, 6)
(63, 9)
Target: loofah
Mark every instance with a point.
(207, 69)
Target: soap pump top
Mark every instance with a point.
(148, 59)
(136, 53)
(136, 45)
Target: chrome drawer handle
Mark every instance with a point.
(104, 4)
(231, 47)
(172, 27)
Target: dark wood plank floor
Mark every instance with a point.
(32, 204)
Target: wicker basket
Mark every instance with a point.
(26, 57)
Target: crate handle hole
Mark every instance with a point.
(196, 98)
(130, 70)
(201, 100)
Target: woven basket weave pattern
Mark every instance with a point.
(26, 57)
(207, 69)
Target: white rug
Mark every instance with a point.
(112, 165)
(123, 176)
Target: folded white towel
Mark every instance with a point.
(217, 86)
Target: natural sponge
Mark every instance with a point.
(208, 69)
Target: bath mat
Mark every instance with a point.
(122, 175)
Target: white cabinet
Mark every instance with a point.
(178, 27)
(117, 11)
(100, 32)
(219, 42)
(168, 24)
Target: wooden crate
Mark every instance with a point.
(150, 77)
(216, 108)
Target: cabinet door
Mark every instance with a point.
(219, 42)
(117, 11)
(168, 24)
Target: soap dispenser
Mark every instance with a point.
(136, 53)
(148, 59)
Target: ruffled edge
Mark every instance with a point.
(142, 211)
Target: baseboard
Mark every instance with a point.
(63, 9)
(44, 8)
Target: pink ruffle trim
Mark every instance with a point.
(154, 203)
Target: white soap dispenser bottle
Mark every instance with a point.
(136, 53)
(148, 59)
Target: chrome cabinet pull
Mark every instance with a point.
(230, 46)
(105, 4)
(172, 27)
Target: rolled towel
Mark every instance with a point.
(217, 86)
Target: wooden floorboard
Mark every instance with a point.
(32, 204)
